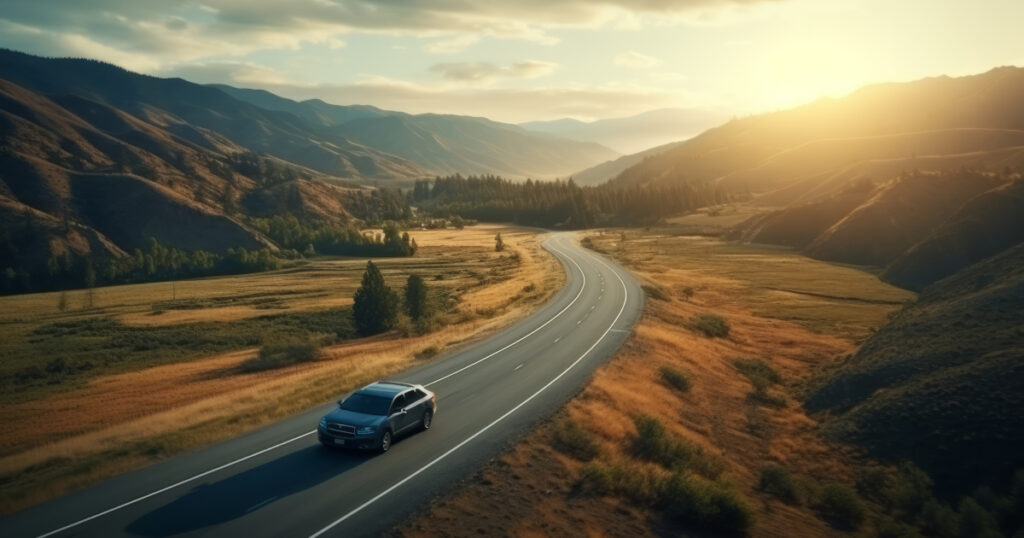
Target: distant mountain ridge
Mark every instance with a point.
(441, 143)
(314, 134)
(636, 133)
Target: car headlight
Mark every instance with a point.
(323, 423)
(366, 429)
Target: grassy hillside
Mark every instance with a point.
(984, 226)
(807, 145)
(946, 373)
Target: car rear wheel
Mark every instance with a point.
(385, 441)
(428, 417)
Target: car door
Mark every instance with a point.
(399, 421)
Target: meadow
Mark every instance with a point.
(153, 369)
(687, 426)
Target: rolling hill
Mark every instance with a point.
(946, 373)
(813, 150)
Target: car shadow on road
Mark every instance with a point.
(213, 504)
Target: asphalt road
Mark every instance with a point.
(279, 481)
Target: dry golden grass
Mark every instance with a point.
(795, 313)
(121, 421)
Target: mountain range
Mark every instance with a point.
(355, 142)
(637, 133)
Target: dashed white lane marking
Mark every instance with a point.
(557, 339)
(578, 322)
(518, 367)
(527, 335)
(412, 475)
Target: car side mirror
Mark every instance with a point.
(340, 402)
(404, 410)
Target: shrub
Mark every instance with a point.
(711, 325)
(428, 352)
(707, 504)
(654, 292)
(765, 398)
(758, 371)
(841, 505)
(282, 354)
(676, 379)
(938, 519)
(889, 528)
(975, 521)
(654, 444)
(633, 482)
(778, 481)
(573, 440)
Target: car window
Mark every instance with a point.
(415, 395)
(366, 404)
(398, 405)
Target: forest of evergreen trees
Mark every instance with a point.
(557, 204)
(158, 262)
(320, 237)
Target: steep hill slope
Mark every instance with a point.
(441, 143)
(946, 373)
(176, 104)
(803, 148)
(983, 227)
(86, 179)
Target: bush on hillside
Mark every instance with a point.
(675, 378)
(710, 325)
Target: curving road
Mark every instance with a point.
(278, 481)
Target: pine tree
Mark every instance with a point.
(375, 306)
(416, 298)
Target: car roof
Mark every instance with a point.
(385, 388)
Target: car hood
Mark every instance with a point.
(354, 419)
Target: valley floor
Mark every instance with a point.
(582, 472)
(73, 425)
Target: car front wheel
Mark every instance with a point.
(385, 441)
(427, 418)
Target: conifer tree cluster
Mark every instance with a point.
(376, 306)
(561, 204)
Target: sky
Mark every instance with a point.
(523, 60)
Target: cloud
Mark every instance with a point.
(484, 72)
(635, 60)
(175, 32)
(227, 73)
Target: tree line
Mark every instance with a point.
(321, 237)
(562, 204)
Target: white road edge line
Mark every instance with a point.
(174, 485)
(293, 439)
(625, 299)
(527, 335)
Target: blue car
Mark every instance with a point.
(373, 416)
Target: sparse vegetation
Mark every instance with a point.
(710, 325)
(282, 354)
(758, 371)
(573, 440)
(675, 378)
(841, 504)
(655, 292)
(779, 482)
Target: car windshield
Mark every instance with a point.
(366, 404)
